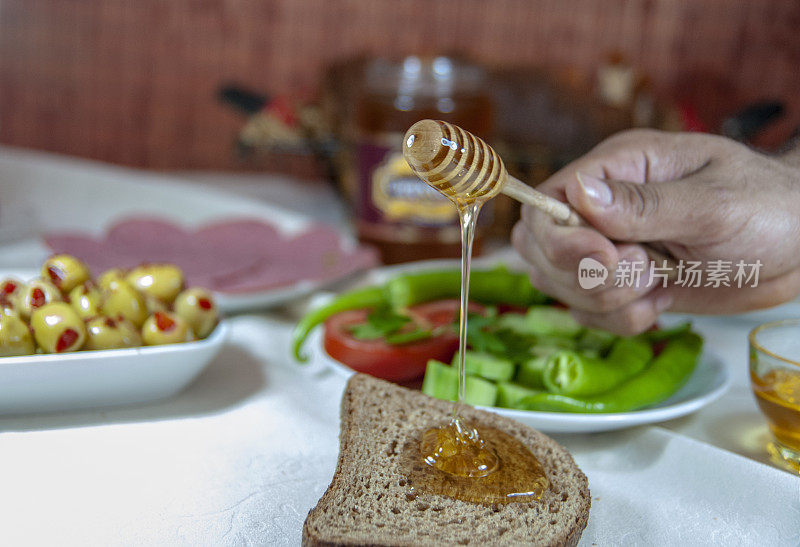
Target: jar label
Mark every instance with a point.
(402, 197)
(394, 205)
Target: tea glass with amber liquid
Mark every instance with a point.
(775, 379)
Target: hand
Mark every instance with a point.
(701, 197)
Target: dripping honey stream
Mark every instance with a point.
(458, 459)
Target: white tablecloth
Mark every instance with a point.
(241, 455)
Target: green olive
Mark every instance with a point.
(197, 307)
(109, 279)
(57, 328)
(165, 328)
(8, 303)
(106, 333)
(36, 294)
(126, 302)
(163, 281)
(65, 272)
(10, 290)
(7, 308)
(153, 304)
(86, 300)
(15, 337)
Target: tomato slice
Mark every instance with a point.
(397, 363)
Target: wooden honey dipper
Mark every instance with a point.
(465, 168)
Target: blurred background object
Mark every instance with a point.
(300, 87)
(135, 82)
(373, 103)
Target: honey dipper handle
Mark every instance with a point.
(564, 214)
(518, 190)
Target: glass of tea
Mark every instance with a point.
(775, 379)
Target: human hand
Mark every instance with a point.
(702, 197)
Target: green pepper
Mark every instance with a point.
(665, 375)
(530, 372)
(596, 340)
(495, 286)
(571, 373)
(659, 335)
(370, 297)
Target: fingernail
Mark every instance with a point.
(602, 259)
(595, 189)
(663, 302)
(634, 256)
(634, 261)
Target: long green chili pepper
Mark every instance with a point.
(370, 297)
(665, 375)
(496, 286)
(571, 373)
(660, 335)
(530, 372)
(596, 340)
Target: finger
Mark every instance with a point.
(565, 246)
(565, 285)
(525, 242)
(606, 301)
(641, 314)
(718, 300)
(636, 317)
(576, 244)
(639, 155)
(681, 210)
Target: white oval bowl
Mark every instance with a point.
(89, 379)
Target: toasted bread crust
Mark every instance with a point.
(357, 510)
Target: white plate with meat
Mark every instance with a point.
(252, 254)
(248, 263)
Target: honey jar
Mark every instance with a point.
(403, 217)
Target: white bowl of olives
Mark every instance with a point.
(68, 342)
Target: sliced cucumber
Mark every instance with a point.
(480, 392)
(560, 342)
(542, 320)
(441, 381)
(486, 365)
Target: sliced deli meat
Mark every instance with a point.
(233, 256)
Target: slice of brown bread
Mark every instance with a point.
(369, 502)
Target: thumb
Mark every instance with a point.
(633, 211)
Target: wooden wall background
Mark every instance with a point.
(133, 82)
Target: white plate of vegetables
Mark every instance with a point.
(527, 358)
